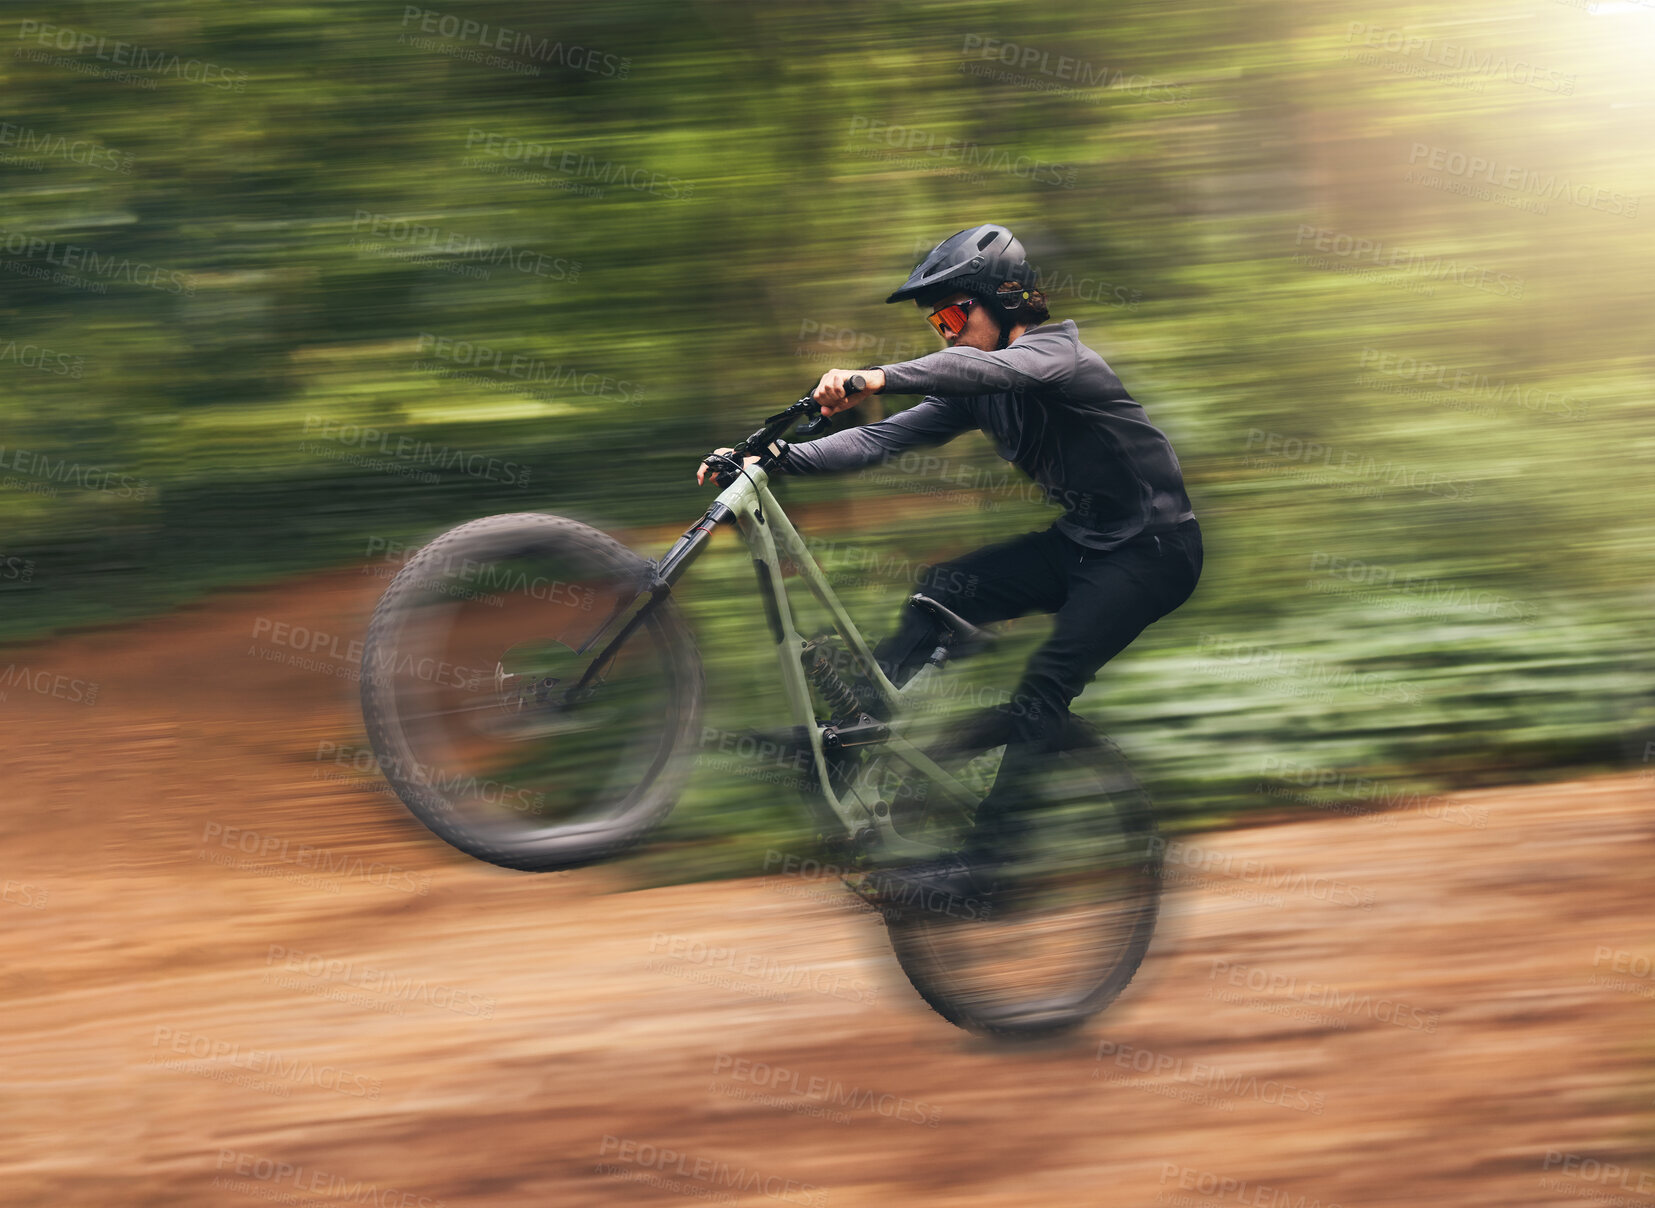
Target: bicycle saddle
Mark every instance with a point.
(966, 636)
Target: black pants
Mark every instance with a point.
(1102, 601)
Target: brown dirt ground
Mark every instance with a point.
(156, 1038)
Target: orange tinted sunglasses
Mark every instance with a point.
(950, 320)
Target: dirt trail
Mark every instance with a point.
(227, 954)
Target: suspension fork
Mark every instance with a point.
(662, 575)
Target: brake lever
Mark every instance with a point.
(725, 467)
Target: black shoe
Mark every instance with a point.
(948, 887)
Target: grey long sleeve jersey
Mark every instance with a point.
(1054, 409)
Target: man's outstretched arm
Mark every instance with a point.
(1044, 358)
(931, 421)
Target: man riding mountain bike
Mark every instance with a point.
(1126, 551)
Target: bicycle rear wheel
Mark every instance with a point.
(1075, 909)
(469, 691)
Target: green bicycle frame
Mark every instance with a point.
(770, 536)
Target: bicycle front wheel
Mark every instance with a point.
(483, 715)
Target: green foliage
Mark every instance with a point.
(356, 209)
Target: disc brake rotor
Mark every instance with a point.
(532, 694)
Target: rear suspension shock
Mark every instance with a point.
(840, 697)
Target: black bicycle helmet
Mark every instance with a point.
(978, 261)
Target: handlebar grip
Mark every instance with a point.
(854, 384)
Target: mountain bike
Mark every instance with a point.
(533, 695)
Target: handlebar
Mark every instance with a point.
(760, 442)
